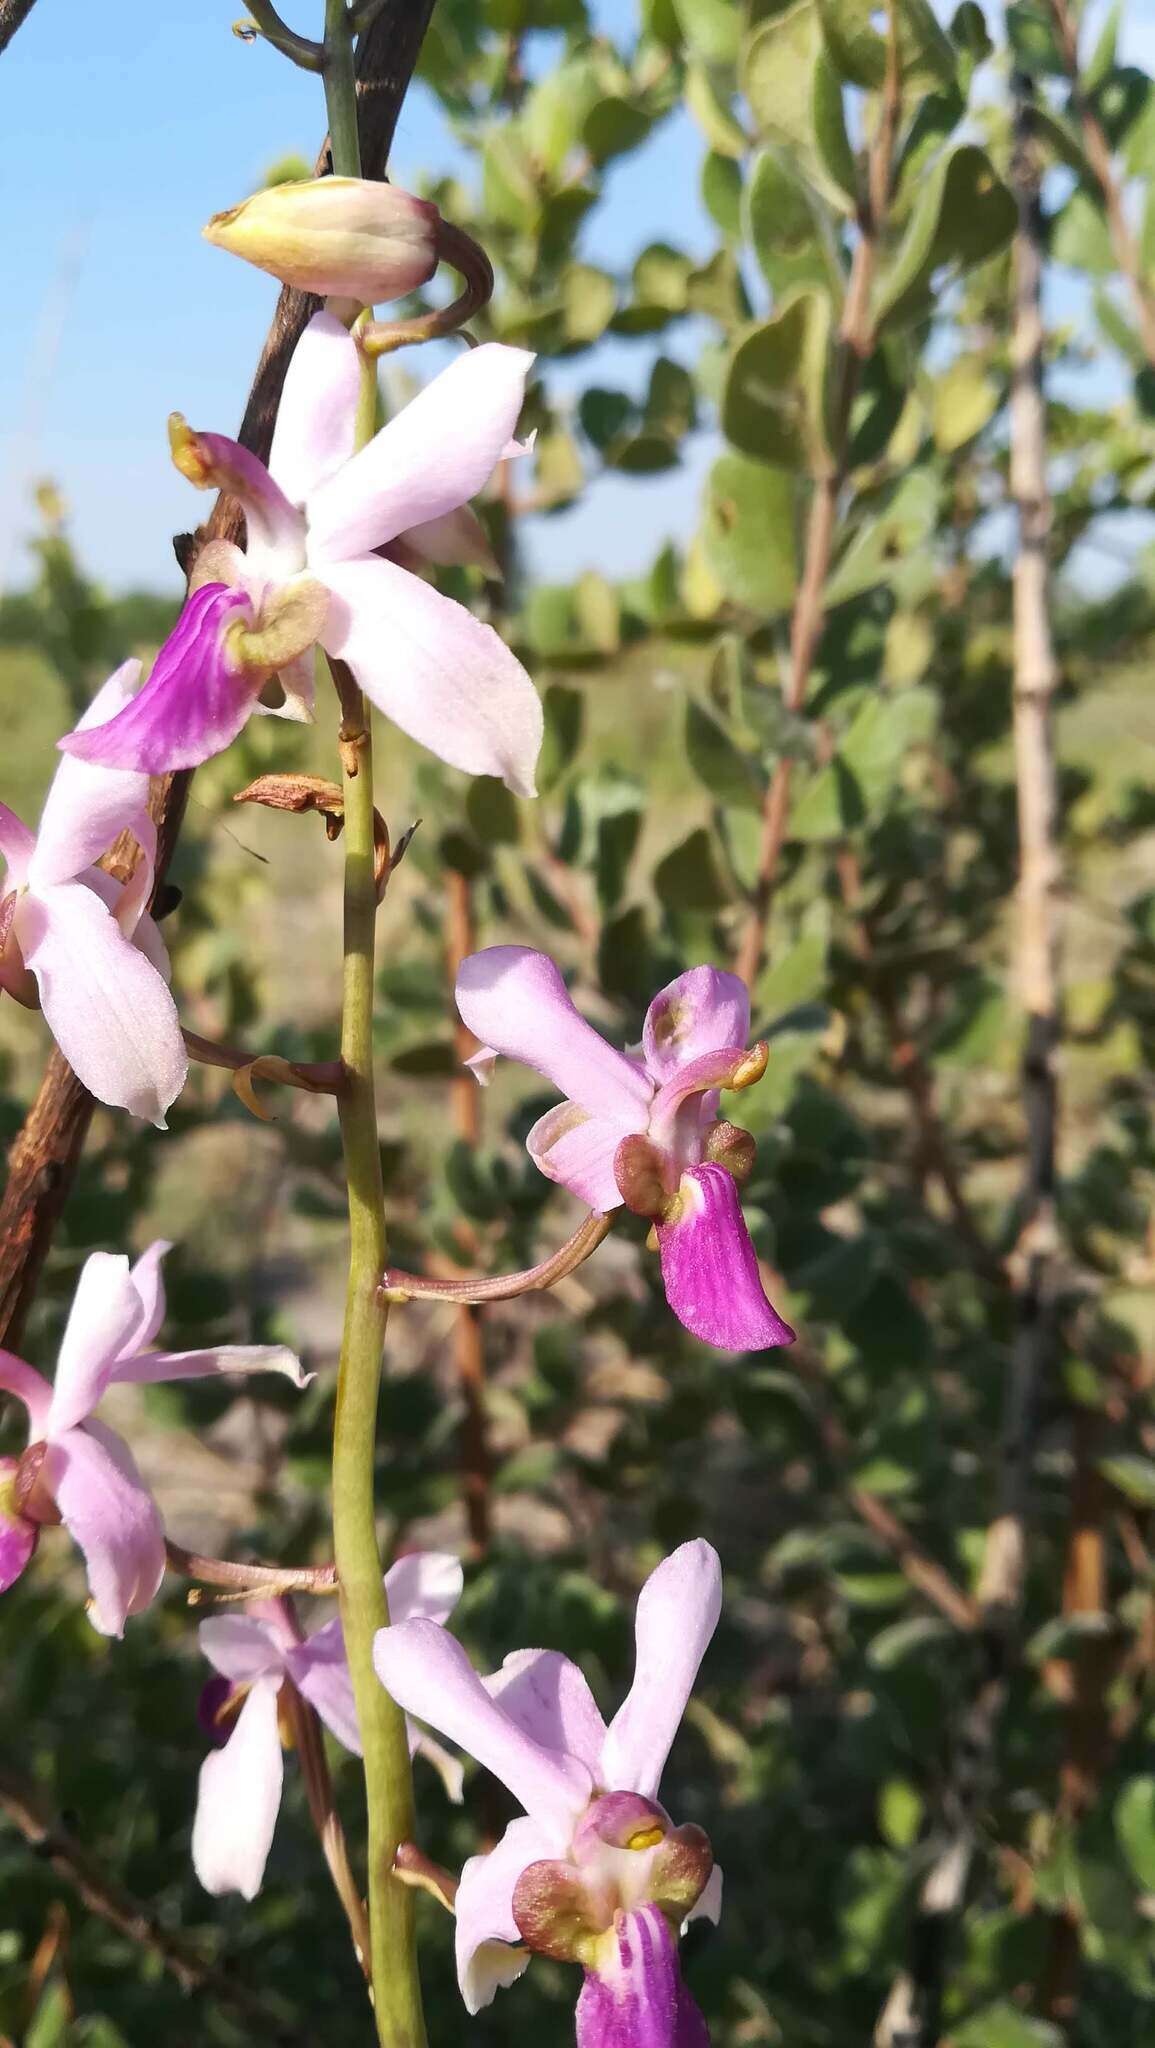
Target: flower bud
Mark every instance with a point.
(349, 238)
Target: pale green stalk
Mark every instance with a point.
(396, 1988)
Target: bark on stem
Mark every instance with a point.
(910, 2018)
(44, 1157)
(856, 340)
(13, 14)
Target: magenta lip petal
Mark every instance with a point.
(193, 704)
(637, 1999)
(710, 1270)
(18, 1537)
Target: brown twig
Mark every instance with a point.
(1098, 153)
(856, 339)
(910, 2018)
(266, 1579)
(44, 1157)
(47, 1836)
(399, 1286)
(13, 15)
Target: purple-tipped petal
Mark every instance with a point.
(549, 1698)
(107, 1509)
(194, 703)
(688, 1101)
(238, 1799)
(108, 1009)
(17, 846)
(87, 807)
(241, 1647)
(18, 1537)
(424, 1583)
(636, 1998)
(428, 1674)
(106, 1310)
(319, 1668)
(447, 680)
(489, 1951)
(432, 457)
(317, 415)
(701, 1010)
(274, 529)
(515, 1000)
(710, 1270)
(577, 1151)
(678, 1609)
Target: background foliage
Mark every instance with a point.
(826, 1749)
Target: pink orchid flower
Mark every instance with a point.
(97, 959)
(321, 521)
(78, 1471)
(595, 1872)
(643, 1129)
(257, 1655)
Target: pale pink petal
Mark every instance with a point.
(238, 1799)
(457, 539)
(105, 1311)
(17, 847)
(672, 1124)
(449, 1768)
(319, 1668)
(708, 1904)
(577, 1150)
(435, 455)
(636, 1998)
(516, 1001)
(436, 671)
(678, 1610)
(489, 1954)
(148, 1280)
(147, 940)
(428, 1674)
(124, 900)
(274, 528)
(195, 701)
(87, 807)
(317, 415)
(18, 1537)
(241, 1647)
(549, 1698)
(424, 1582)
(107, 1007)
(710, 1269)
(700, 1011)
(152, 1366)
(30, 1388)
(109, 1512)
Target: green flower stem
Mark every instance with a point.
(396, 1988)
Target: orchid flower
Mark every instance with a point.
(258, 1654)
(643, 1128)
(76, 1469)
(595, 1872)
(321, 521)
(82, 940)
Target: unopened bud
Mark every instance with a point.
(350, 238)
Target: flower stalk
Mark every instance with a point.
(394, 1984)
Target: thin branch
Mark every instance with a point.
(397, 1286)
(13, 15)
(47, 1836)
(911, 2016)
(45, 1155)
(273, 29)
(1099, 157)
(468, 1344)
(267, 1579)
(808, 617)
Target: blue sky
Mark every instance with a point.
(133, 124)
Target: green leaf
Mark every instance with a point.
(688, 877)
(711, 28)
(886, 538)
(778, 74)
(613, 127)
(598, 611)
(1003, 2026)
(1031, 35)
(831, 141)
(670, 407)
(963, 399)
(589, 301)
(712, 110)
(858, 49)
(550, 620)
(782, 222)
(1101, 61)
(557, 467)
(1135, 1827)
(900, 1811)
(564, 711)
(718, 763)
(552, 116)
(604, 415)
(492, 812)
(866, 767)
(722, 193)
(1082, 238)
(661, 276)
(1133, 1476)
(797, 974)
(748, 533)
(962, 215)
(774, 401)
